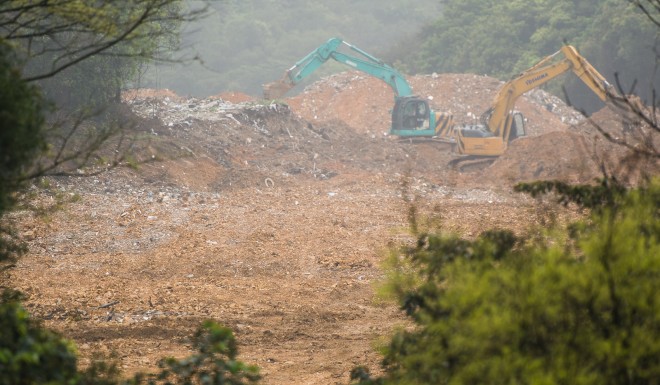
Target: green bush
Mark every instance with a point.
(214, 363)
(29, 353)
(32, 354)
(580, 308)
(21, 139)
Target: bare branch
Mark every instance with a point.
(100, 48)
(75, 149)
(73, 35)
(648, 9)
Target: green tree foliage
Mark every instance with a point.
(29, 353)
(595, 197)
(75, 53)
(214, 364)
(21, 139)
(82, 52)
(501, 39)
(32, 354)
(580, 308)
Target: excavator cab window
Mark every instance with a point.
(422, 113)
(517, 126)
(410, 114)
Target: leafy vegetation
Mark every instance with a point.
(578, 308)
(29, 353)
(215, 363)
(501, 39)
(21, 140)
(81, 53)
(32, 354)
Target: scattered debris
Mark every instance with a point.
(272, 219)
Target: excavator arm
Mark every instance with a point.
(539, 74)
(501, 124)
(330, 50)
(411, 116)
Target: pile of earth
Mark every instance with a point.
(603, 143)
(344, 119)
(251, 142)
(364, 102)
(560, 144)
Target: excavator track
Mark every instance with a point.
(423, 139)
(471, 163)
(462, 163)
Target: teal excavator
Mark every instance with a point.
(411, 115)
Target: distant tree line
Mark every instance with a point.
(503, 38)
(244, 44)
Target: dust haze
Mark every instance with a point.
(244, 44)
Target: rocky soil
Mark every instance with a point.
(273, 219)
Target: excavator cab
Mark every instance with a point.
(479, 140)
(410, 113)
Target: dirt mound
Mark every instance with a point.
(364, 102)
(148, 93)
(618, 145)
(233, 97)
(341, 121)
(554, 147)
(252, 142)
(555, 155)
(578, 155)
(560, 144)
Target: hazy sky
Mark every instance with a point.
(244, 44)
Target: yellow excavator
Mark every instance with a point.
(500, 124)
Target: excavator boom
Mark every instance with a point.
(330, 50)
(501, 124)
(539, 74)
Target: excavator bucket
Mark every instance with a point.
(276, 90)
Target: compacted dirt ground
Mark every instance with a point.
(273, 219)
